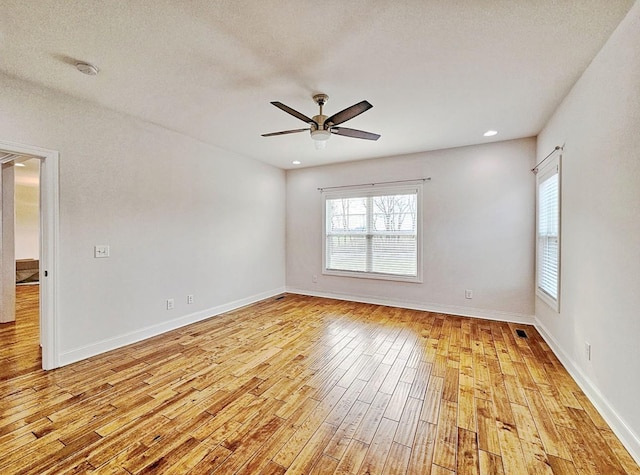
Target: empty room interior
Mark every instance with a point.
(320, 238)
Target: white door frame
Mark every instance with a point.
(49, 234)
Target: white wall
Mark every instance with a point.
(7, 245)
(478, 230)
(27, 205)
(181, 217)
(600, 298)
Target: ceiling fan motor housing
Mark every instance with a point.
(320, 121)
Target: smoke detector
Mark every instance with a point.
(86, 68)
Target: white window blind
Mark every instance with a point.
(548, 233)
(373, 233)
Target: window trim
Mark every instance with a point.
(370, 191)
(552, 167)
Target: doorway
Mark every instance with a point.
(10, 154)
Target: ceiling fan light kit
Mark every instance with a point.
(320, 138)
(321, 127)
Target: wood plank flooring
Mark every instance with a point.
(19, 347)
(303, 385)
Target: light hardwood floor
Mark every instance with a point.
(307, 386)
(19, 347)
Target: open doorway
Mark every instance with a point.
(27, 220)
(19, 247)
(20, 333)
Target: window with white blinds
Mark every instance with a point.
(548, 233)
(373, 233)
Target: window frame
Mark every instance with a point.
(549, 169)
(367, 192)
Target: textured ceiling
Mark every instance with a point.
(438, 72)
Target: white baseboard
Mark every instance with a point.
(629, 439)
(427, 307)
(154, 330)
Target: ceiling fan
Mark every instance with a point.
(321, 126)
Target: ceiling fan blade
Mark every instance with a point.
(285, 132)
(357, 134)
(348, 113)
(294, 112)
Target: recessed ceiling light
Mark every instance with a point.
(490, 133)
(19, 165)
(296, 162)
(86, 68)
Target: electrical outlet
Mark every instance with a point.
(314, 279)
(189, 299)
(587, 350)
(468, 294)
(170, 304)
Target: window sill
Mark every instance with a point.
(374, 276)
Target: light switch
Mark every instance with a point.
(101, 251)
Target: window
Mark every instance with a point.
(373, 233)
(548, 233)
